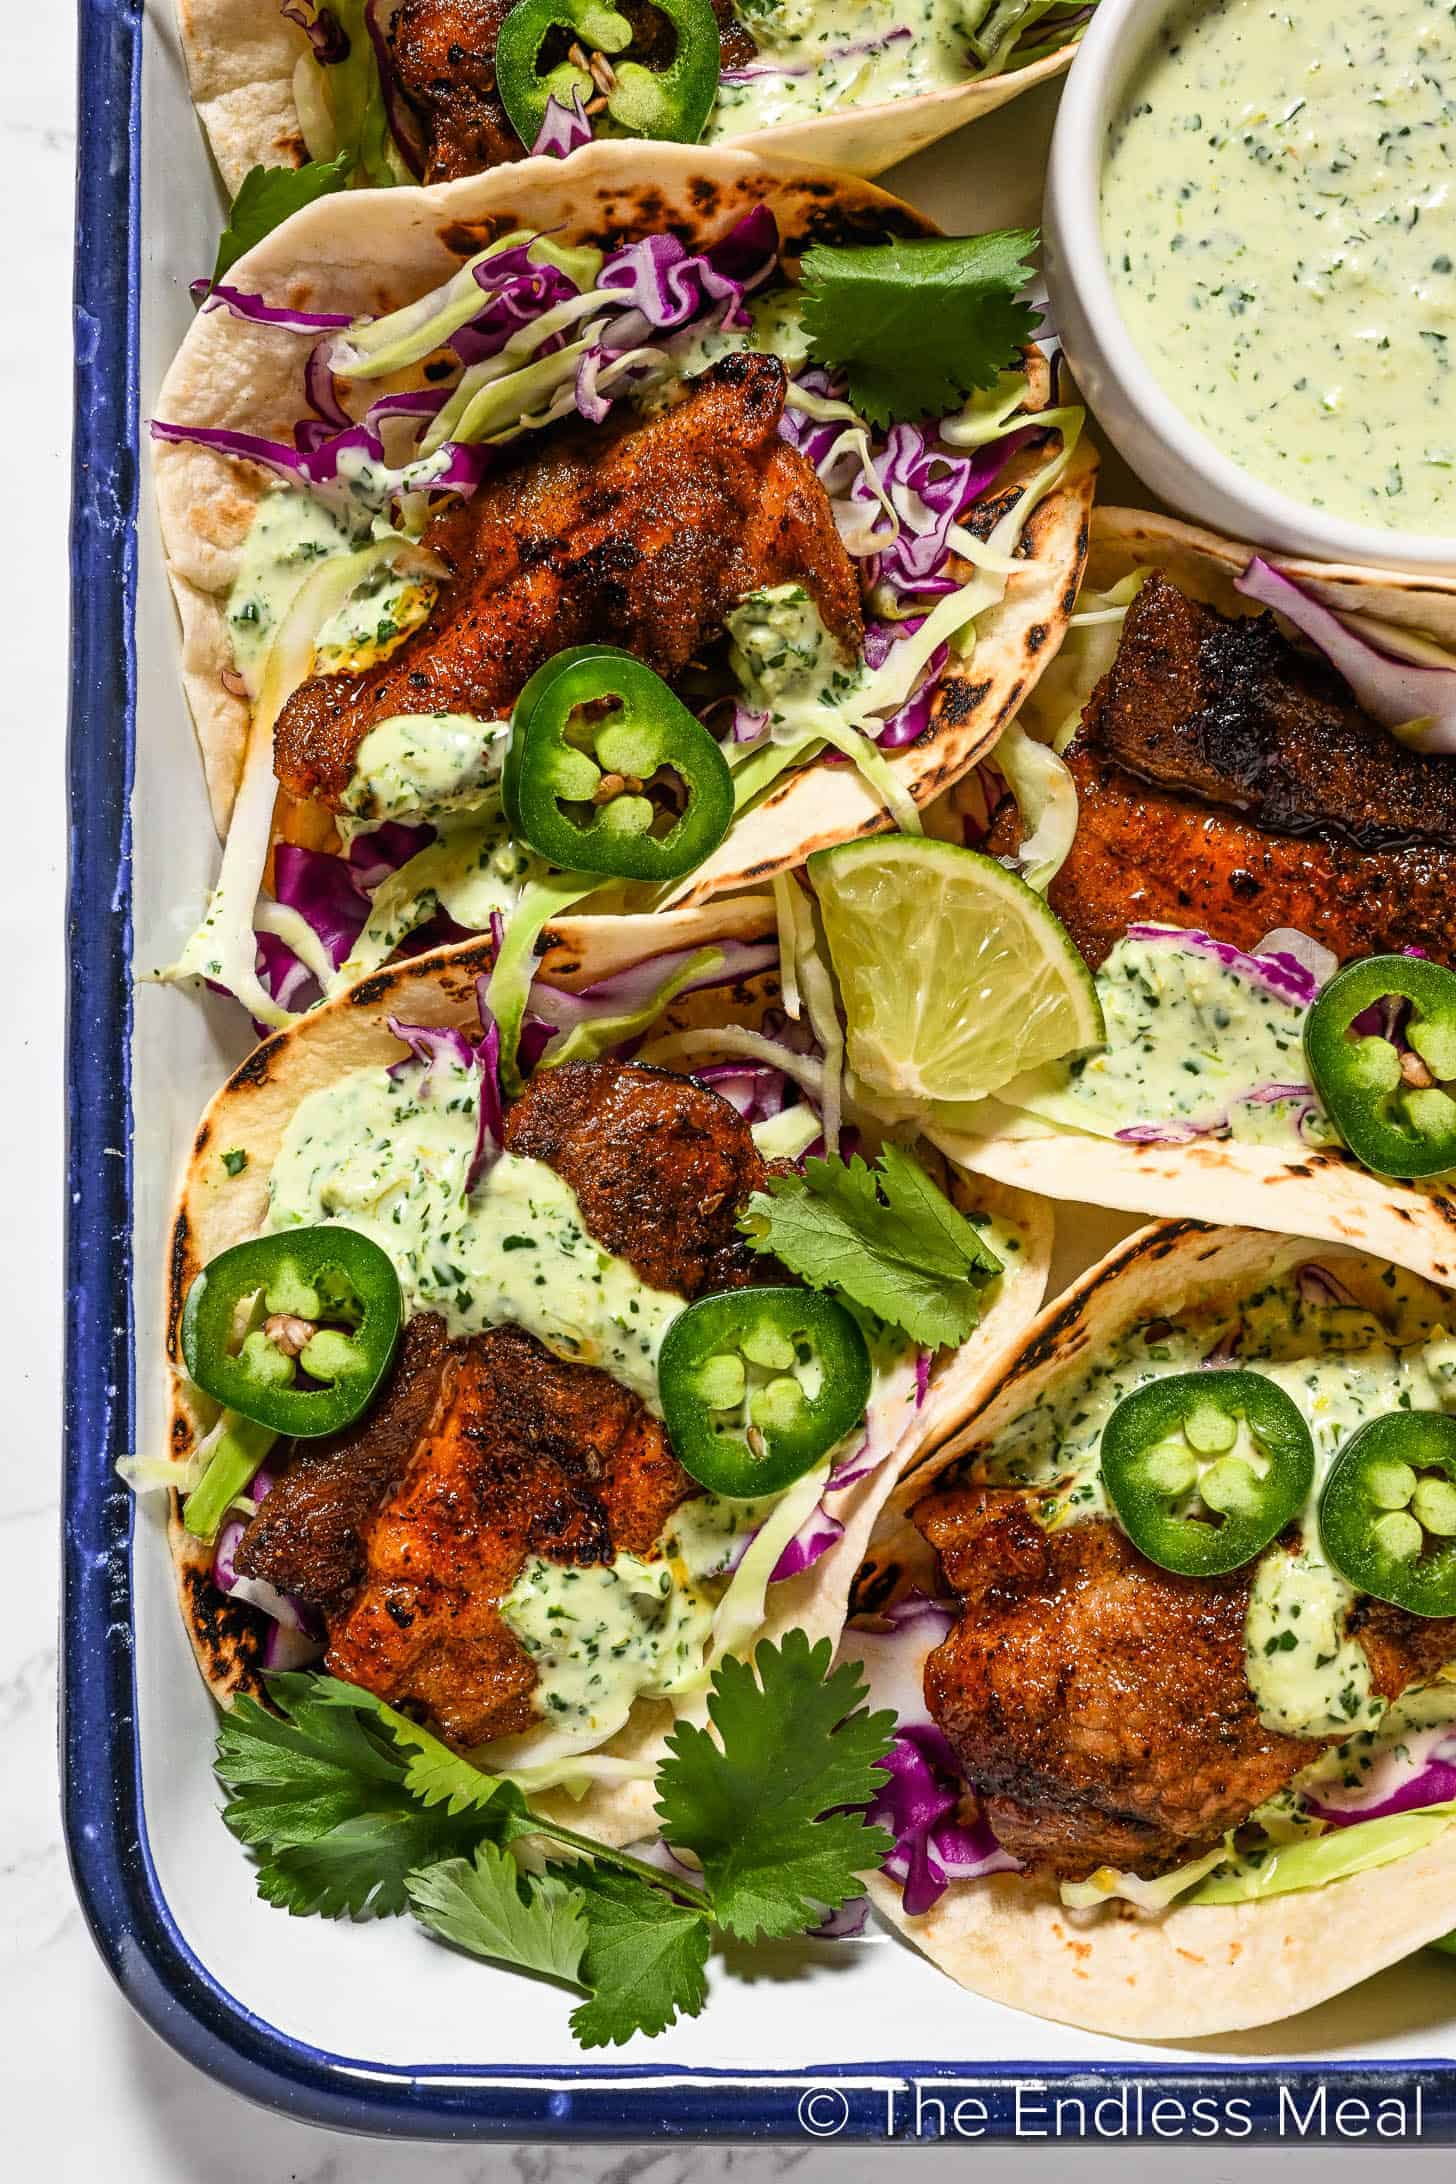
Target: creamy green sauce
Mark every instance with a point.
(473, 868)
(603, 1636)
(813, 57)
(786, 662)
(388, 1154)
(1281, 234)
(1348, 1766)
(1190, 1041)
(1341, 1365)
(425, 764)
(292, 532)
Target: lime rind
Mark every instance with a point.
(954, 974)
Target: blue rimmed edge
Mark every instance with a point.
(128, 1916)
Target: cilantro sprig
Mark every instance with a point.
(351, 1809)
(917, 326)
(886, 1236)
(267, 196)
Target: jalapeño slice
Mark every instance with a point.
(1205, 1468)
(330, 1318)
(1387, 1515)
(607, 772)
(758, 1384)
(546, 49)
(1380, 1042)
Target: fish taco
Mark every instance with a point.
(380, 92)
(511, 1413)
(679, 437)
(1236, 791)
(1169, 1627)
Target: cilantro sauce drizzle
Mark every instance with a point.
(1193, 1043)
(1281, 235)
(387, 1153)
(1341, 1364)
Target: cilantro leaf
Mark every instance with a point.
(888, 1237)
(756, 1808)
(488, 1906)
(267, 196)
(645, 1962)
(917, 326)
(319, 1792)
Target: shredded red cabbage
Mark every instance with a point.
(919, 1806)
(631, 988)
(325, 33)
(756, 1089)
(436, 1043)
(1280, 974)
(1419, 1770)
(244, 305)
(563, 130)
(1394, 691)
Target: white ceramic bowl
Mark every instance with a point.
(1171, 455)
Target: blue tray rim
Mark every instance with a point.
(111, 1863)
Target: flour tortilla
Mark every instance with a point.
(242, 56)
(1193, 1971)
(370, 251)
(1307, 1192)
(215, 1210)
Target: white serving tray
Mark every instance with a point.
(385, 1996)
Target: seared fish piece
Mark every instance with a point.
(1226, 709)
(305, 1538)
(1100, 1704)
(641, 533)
(661, 1167)
(1142, 854)
(524, 1455)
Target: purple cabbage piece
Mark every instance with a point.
(563, 130)
(665, 284)
(1391, 690)
(1317, 1285)
(913, 719)
(326, 891)
(318, 465)
(435, 1043)
(290, 983)
(372, 857)
(818, 1533)
(519, 292)
(288, 1613)
(1420, 1770)
(922, 1378)
(919, 1807)
(1281, 975)
(244, 305)
(322, 392)
(845, 1924)
(632, 988)
(325, 33)
(756, 1089)
(930, 488)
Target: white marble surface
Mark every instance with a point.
(86, 2091)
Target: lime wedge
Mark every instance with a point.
(955, 976)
